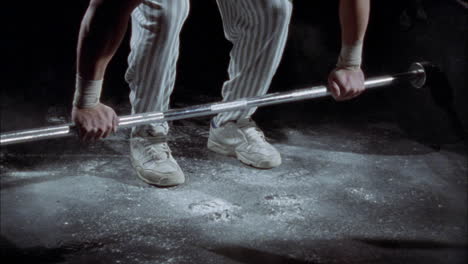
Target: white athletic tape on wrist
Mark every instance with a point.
(87, 92)
(350, 56)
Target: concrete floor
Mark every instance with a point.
(349, 191)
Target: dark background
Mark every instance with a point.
(39, 41)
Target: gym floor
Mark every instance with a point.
(351, 189)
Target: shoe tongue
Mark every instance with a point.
(156, 134)
(159, 152)
(253, 133)
(160, 155)
(158, 130)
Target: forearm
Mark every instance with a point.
(101, 32)
(354, 18)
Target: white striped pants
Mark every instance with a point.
(257, 29)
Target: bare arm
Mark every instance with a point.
(102, 30)
(354, 17)
(347, 80)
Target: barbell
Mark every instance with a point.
(416, 75)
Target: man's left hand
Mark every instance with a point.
(345, 84)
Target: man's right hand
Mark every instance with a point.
(95, 123)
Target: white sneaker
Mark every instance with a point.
(151, 157)
(244, 140)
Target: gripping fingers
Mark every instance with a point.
(349, 93)
(349, 90)
(95, 123)
(109, 126)
(81, 133)
(99, 134)
(113, 121)
(346, 92)
(87, 135)
(107, 130)
(95, 134)
(334, 89)
(356, 91)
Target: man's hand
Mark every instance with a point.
(345, 84)
(95, 123)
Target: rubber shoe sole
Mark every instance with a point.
(164, 182)
(221, 149)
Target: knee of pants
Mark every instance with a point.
(279, 11)
(169, 14)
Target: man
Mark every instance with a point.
(258, 31)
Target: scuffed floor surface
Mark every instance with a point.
(347, 192)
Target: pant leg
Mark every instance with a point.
(156, 25)
(258, 30)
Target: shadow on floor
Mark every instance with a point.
(411, 244)
(347, 251)
(253, 256)
(41, 255)
(320, 251)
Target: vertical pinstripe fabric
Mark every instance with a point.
(154, 44)
(257, 29)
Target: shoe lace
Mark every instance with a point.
(254, 134)
(157, 151)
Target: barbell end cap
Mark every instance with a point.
(420, 74)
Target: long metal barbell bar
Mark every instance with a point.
(416, 75)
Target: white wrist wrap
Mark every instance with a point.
(87, 92)
(350, 56)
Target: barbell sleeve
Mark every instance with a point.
(416, 75)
